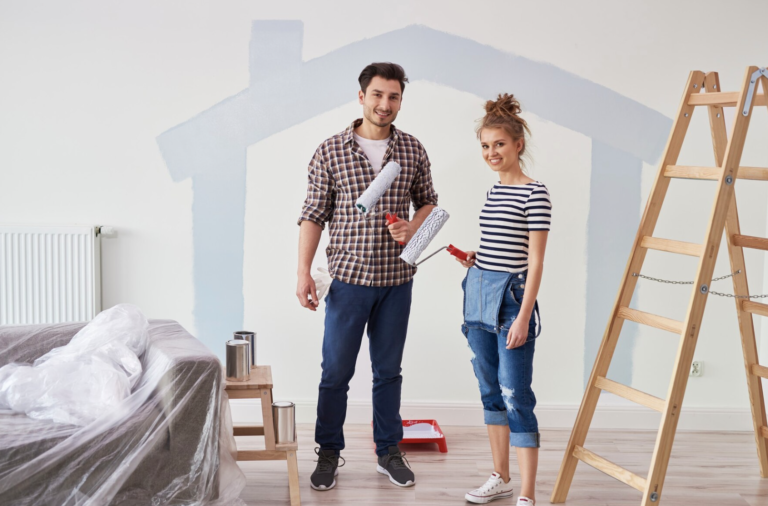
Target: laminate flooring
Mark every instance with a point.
(706, 469)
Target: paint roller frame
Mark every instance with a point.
(453, 250)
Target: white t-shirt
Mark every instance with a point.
(374, 150)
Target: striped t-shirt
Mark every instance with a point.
(509, 214)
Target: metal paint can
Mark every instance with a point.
(238, 360)
(251, 338)
(284, 416)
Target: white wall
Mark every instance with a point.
(88, 88)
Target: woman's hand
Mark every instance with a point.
(518, 333)
(469, 262)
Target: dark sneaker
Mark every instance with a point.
(324, 477)
(396, 467)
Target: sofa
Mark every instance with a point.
(164, 447)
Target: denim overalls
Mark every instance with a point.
(491, 303)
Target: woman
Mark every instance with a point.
(500, 308)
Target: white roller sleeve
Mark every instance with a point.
(424, 235)
(381, 184)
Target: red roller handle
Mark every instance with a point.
(391, 220)
(453, 250)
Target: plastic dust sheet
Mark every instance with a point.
(120, 411)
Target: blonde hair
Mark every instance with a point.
(504, 112)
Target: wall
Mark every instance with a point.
(188, 127)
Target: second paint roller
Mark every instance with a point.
(424, 235)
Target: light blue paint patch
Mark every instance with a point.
(284, 91)
(614, 215)
(508, 394)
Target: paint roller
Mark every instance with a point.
(378, 186)
(424, 235)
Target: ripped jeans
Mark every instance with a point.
(505, 375)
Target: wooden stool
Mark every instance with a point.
(259, 386)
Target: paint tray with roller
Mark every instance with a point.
(424, 236)
(424, 431)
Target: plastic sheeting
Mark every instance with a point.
(117, 412)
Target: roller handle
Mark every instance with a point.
(453, 250)
(391, 220)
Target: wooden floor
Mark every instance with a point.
(706, 469)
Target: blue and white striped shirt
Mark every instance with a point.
(509, 214)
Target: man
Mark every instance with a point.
(371, 285)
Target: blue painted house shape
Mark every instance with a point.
(211, 149)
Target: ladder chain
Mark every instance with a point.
(739, 296)
(635, 274)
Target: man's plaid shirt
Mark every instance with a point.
(361, 250)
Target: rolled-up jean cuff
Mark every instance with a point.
(495, 417)
(524, 439)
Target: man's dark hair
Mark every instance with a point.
(386, 70)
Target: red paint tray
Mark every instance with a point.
(424, 431)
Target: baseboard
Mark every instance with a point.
(550, 416)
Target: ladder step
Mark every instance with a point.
(759, 370)
(747, 241)
(687, 172)
(754, 307)
(651, 320)
(764, 432)
(684, 248)
(248, 431)
(609, 468)
(724, 99)
(631, 394)
(753, 173)
(713, 173)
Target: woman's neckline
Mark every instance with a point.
(524, 184)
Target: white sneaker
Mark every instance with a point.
(494, 488)
(524, 501)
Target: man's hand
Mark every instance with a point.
(307, 292)
(401, 231)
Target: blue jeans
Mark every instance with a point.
(348, 308)
(505, 376)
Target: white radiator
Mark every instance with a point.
(49, 274)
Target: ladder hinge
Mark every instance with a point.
(752, 85)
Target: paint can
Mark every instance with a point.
(251, 338)
(284, 417)
(238, 360)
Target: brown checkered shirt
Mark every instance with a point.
(361, 250)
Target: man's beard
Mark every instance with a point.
(374, 118)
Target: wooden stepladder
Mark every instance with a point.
(724, 217)
(259, 386)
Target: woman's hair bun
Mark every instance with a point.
(506, 106)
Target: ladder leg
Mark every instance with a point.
(266, 413)
(586, 411)
(636, 259)
(748, 340)
(293, 478)
(740, 285)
